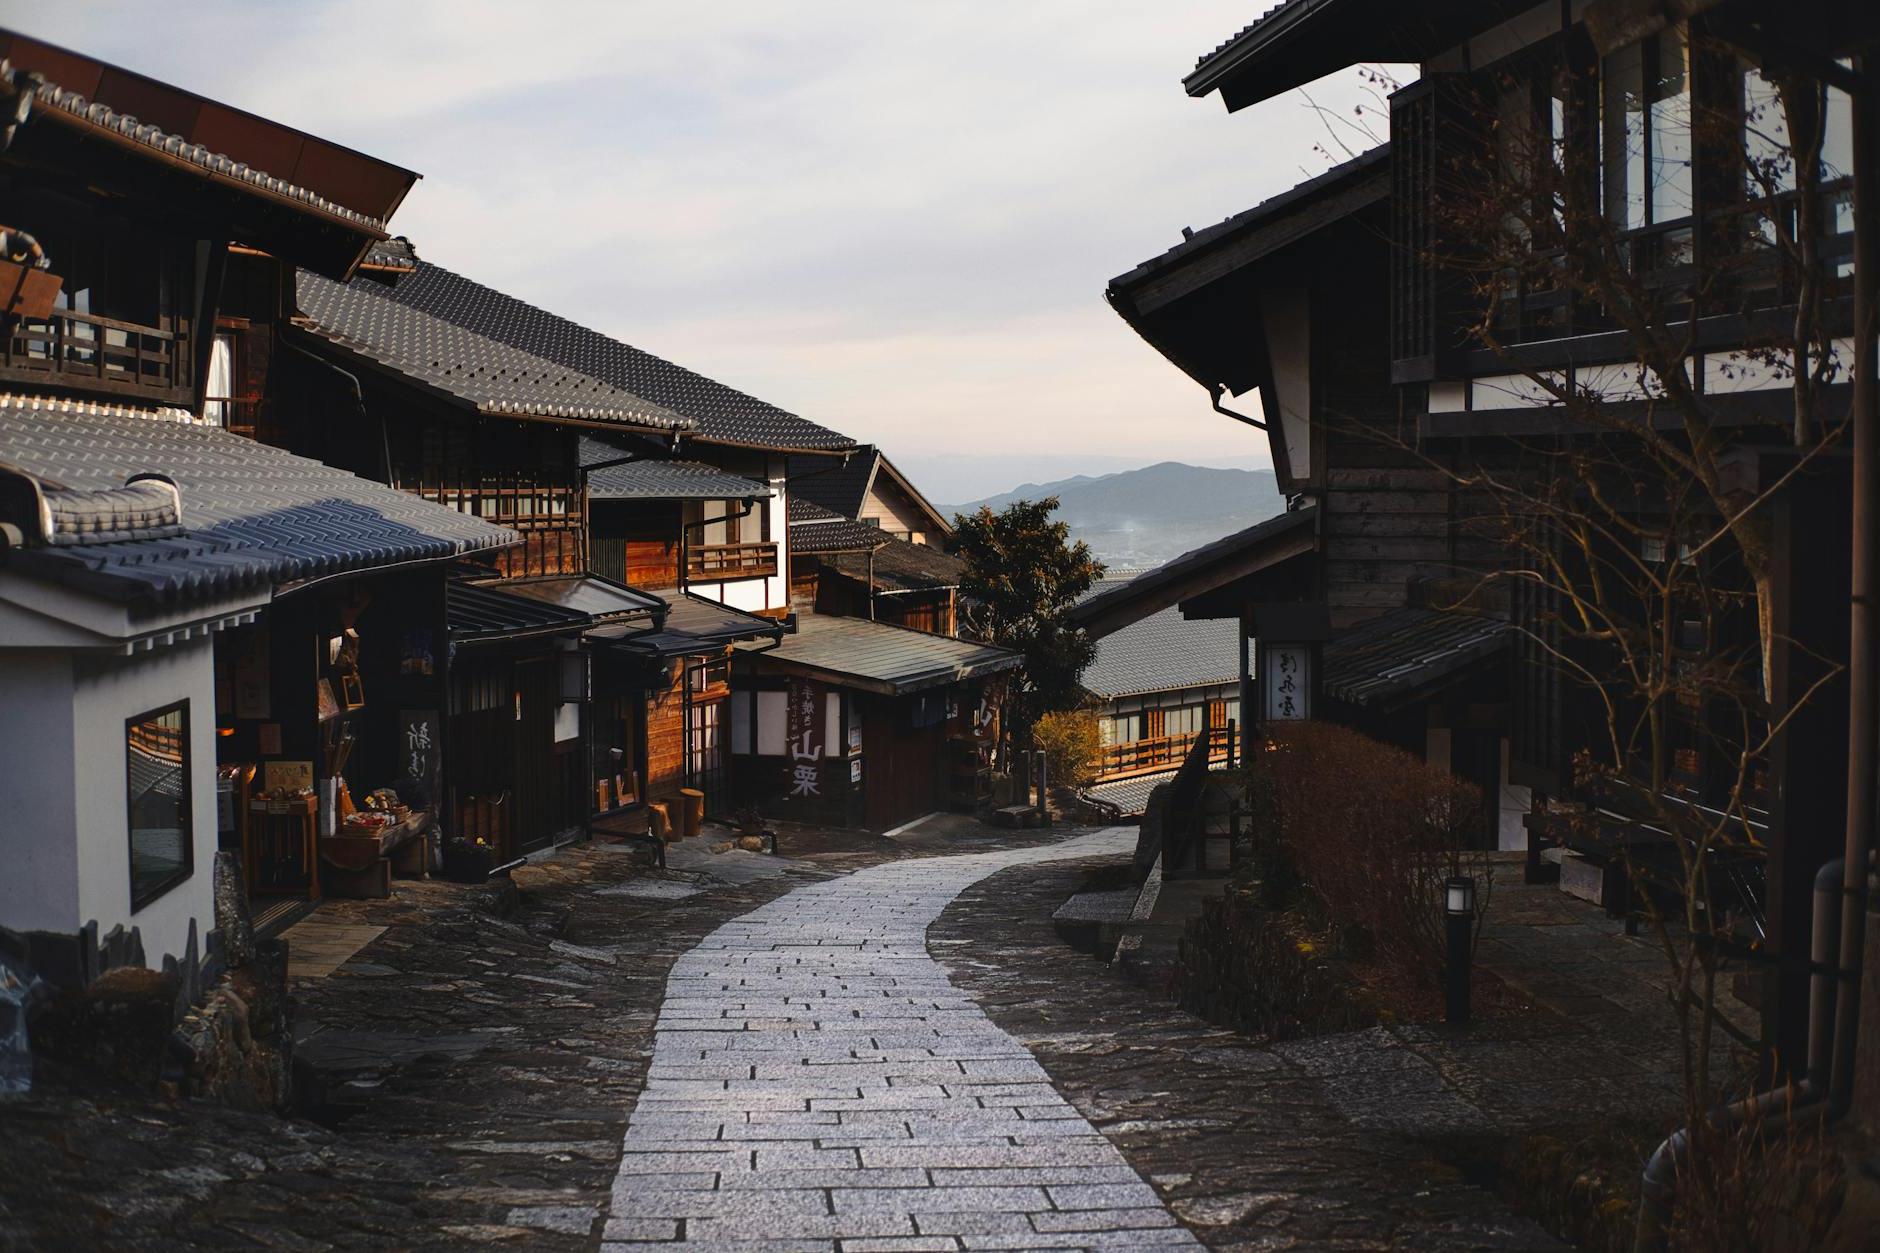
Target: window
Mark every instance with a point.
(772, 720)
(157, 777)
(1185, 720)
(218, 392)
(874, 522)
(1645, 127)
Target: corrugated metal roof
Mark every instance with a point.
(873, 656)
(656, 478)
(1194, 564)
(695, 625)
(482, 613)
(252, 514)
(1163, 652)
(601, 598)
(362, 321)
(722, 414)
(1406, 651)
(1131, 795)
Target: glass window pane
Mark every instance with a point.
(1670, 115)
(1622, 123)
(157, 754)
(1765, 136)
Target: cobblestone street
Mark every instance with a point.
(870, 1044)
(817, 1080)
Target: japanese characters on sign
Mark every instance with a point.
(1286, 681)
(805, 722)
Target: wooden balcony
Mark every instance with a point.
(713, 563)
(547, 508)
(1162, 752)
(97, 354)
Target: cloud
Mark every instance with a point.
(897, 219)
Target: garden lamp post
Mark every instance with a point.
(1459, 919)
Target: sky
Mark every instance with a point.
(896, 219)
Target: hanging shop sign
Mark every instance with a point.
(805, 727)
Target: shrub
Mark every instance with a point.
(1374, 832)
(1070, 742)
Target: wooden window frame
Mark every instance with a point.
(187, 871)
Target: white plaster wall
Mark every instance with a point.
(105, 692)
(38, 855)
(776, 589)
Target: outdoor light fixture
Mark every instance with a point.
(1459, 926)
(1459, 896)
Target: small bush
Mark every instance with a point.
(1374, 832)
(1070, 742)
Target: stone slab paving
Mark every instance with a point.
(1337, 1142)
(818, 1083)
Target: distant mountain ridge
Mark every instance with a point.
(1144, 517)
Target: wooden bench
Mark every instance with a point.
(362, 865)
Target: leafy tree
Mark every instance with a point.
(1023, 574)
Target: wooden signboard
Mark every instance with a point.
(420, 748)
(29, 293)
(805, 719)
(295, 776)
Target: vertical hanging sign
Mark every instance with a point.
(805, 717)
(1285, 677)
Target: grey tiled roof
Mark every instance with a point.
(1196, 564)
(656, 478)
(814, 529)
(1373, 161)
(900, 566)
(1131, 795)
(1275, 11)
(854, 652)
(1162, 652)
(1407, 650)
(252, 515)
(56, 104)
(361, 320)
(836, 486)
(723, 414)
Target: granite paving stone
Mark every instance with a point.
(915, 1119)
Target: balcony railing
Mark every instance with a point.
(712, 562)
(97, 354)
(1161, 752)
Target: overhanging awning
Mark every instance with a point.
(1408, 653)
(876, 657)
(479, 613)
(605, 602)
(694, 626)
(1205, 569)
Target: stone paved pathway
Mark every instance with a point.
(817, 1083)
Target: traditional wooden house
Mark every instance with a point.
(842, 567)
(1382, 541)
(863, 724)
(868, 489)
(1335, 301)
(201, 637)
(1158, 685)
(665, 484)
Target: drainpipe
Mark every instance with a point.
(1840, 917)
(1863, 705)
(1773, 1109)
(358, 399)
